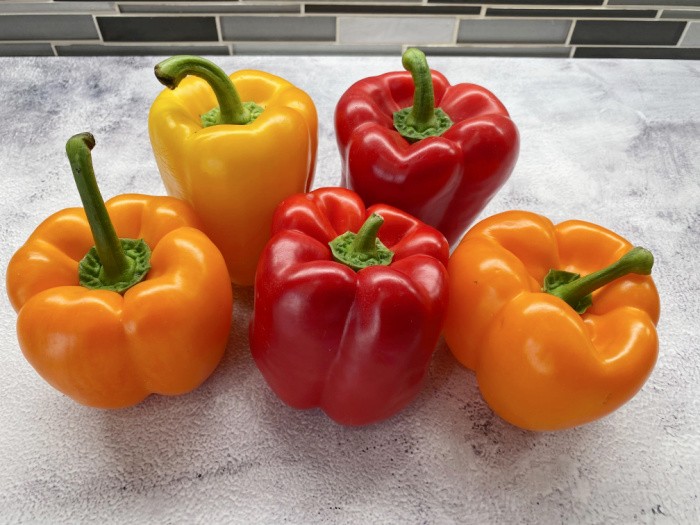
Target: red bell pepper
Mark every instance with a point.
(441, 165)
(343, 321)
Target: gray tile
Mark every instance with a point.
(521, 2)
(513, 31)
(692, 36)
(500, 51)
(291, 28)
(692, 3)
(158, 28)
(572, 13)
(297, 48)
(614, 32)
(675, 53)
(138, 50)
(396, 30)
(57, 7)
(47, 27)
(25, 50)
(680, 14)
(391, 9)
(210, 8)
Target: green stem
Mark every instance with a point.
(637, 261)
(362, 249)
(113, 263)
(423, 119)
(171, 71)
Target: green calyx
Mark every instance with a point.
(423, 119)
(112, 264)
(576, 290)
(362, 249)
(231, 110)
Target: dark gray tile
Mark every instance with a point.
(158, 29)
(692, 3)
(638, 52)
(299, 48)
(47, 27)
(500, 51)
(57, 7)
(521, 2)
(506, 31)
(573, 13)
(26, 50)
(389, 9)
(290, 28)
(137, 50)
(680, 14)
(210, 8)
(616, 32)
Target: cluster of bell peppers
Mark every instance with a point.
(353, 285)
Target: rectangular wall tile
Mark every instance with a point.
(138, 50)
(303, 48)
(680, 14)
(390, 9)
(500, 51)
(158, 29)
(26, 50)
(638, 52)
(57, 7)
(692, 36)
(398, 30)
(211, 8)
(615, 32)
(513, 31)
(691, 3)
(291, 28)
(47, 27)
(521, 2)
(573, 13)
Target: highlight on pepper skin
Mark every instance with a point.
(557, 321)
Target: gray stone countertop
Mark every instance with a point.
(614, 142)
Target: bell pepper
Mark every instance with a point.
(120, 300)
(234, 162)
(349, 304)
(551, 349)
(440, 164)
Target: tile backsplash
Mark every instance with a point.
(542, 28)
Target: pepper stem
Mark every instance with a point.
(422, 119)
(362, 249)
(576, 291)
(113, 263)
(231, 110)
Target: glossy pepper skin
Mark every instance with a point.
(444, 180)
(233, 174)
(541, 365)
(166, 334)
(355, 344)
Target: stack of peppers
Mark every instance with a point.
(351, 284)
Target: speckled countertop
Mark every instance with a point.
(613, 142)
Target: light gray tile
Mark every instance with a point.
(692, 36)
(138, 50)
(680, 14)
(57, 7)
(296, 48)
(210, 8)
(45, 27)
(26, 50)
(264, 28)
(396, 30)
(499, 51)
(513, 31)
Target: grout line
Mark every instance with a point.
(219, 32)
(97, 28)
(567, 42)
(53, 48)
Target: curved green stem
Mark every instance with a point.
(107, 265)
(171, 71)
(422, 119)
(576, 291)
(362, 249)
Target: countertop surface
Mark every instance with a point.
(614, 142)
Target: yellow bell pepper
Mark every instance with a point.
(233, 163)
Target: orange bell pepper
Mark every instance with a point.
(130, 318)
(554, 359)
(234, 147)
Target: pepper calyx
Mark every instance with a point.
(213, 116)
(92, 275)
(362, 249)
